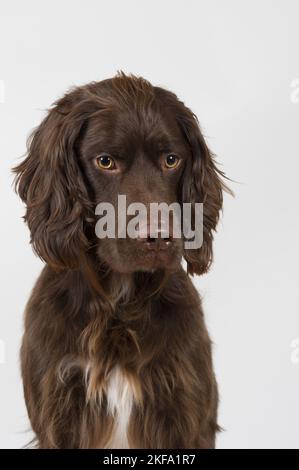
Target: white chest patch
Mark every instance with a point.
(119, 404)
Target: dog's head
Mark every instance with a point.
(120, 136)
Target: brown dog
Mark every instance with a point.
(115, 351)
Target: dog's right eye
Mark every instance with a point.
(105, 162)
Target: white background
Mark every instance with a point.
(233, 63)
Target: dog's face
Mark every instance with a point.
(141, 157)
(117, 137)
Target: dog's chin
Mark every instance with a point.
(152, 263)
(149, 262)
(144, 265)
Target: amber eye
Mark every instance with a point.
(105, 162)
(171, 161)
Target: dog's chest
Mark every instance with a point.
(120, 397)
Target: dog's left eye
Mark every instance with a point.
(171, 161)
(105, 162)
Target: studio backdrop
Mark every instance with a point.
(236, 65)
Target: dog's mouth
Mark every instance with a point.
(127, 257)
(153, 260)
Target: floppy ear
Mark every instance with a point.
(52, 186)
(202, 182)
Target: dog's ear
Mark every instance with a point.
(52, 186)
(202, 182)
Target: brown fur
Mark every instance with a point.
(93, 306)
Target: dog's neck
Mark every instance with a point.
(121, 285)
(127, 287)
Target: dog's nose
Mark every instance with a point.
(155, 238)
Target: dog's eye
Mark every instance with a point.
(105, 162)
(171, 161)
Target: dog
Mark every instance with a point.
(115, 351)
